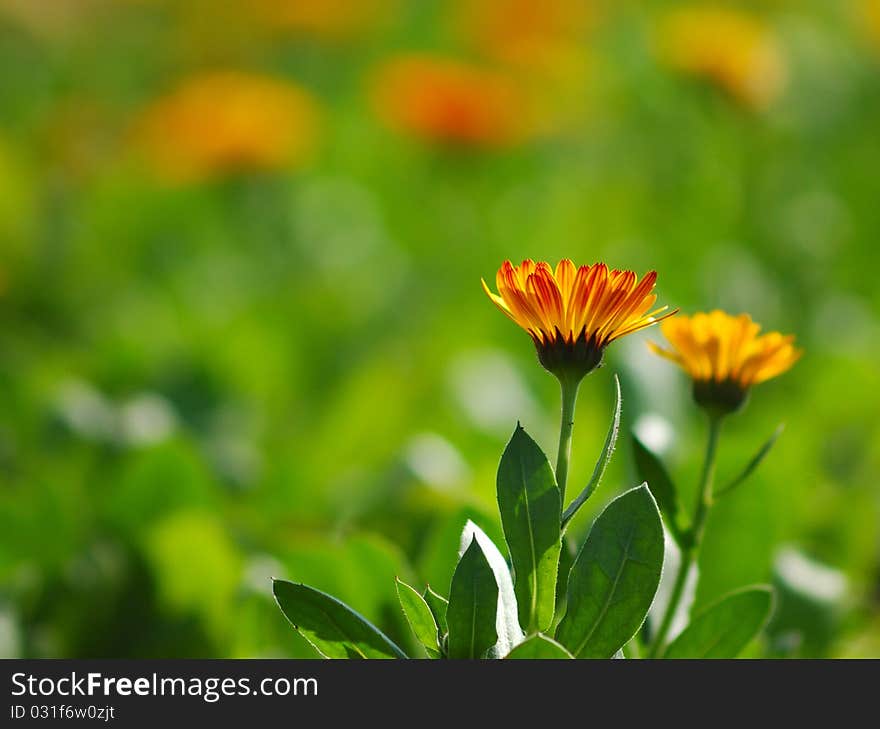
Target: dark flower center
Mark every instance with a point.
(570, 359)
(720, 398)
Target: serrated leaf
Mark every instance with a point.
(602, 463)
(753, 463)
(333, 628)
(650, 470)
(614, 577)
(539, 646)
(724, 628)
(506, 619)
(438, 605)
(531, 513)
(419, 617)
(473, 603)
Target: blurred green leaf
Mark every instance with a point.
(438, 605)
(752, 464)
(205, 587)
(602, 463)
(530, 514)
(724, 628)
(331, 626)
(473, 603)
(419, 617)
(539, 646)
(614, 577)
(650, 469)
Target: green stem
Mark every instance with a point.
(691, 548)
(569, 398)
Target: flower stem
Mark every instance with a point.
(690, 549)
(569, 398)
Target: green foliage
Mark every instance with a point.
(506, 620)
(438, 605)
(539, 646)
(206, 384)
(331, 626)
(473, 602)
(753, 464)
(530, 506)
(420, 618)
(614, 577)
(650, 469)
(724, 628)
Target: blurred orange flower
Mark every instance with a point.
(734, 50)
(542, 34)
(448, 101)
(871, 15)
(332, 20)
(227, 122)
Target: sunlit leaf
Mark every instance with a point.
(539, 646)
(531, 510)
(506, 620)
(420, 618)
(438, 605)
(614, 577)
(724, 628)
(473, 604)
(331, 626)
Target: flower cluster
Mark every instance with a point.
(573, 313)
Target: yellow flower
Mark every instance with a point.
(443, 100)
(725, 356)
(871, 17)
(227, 122)
(527, 33)
(736, 51)
(573, 313)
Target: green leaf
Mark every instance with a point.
(331, 626)
(539, 646)
(506, 619)
(531, 513)
(419, 617)
(614, 577)
(602, 463)
(650, 470)
(724, 628)
(438, 605)
(566, 560)
(752, 464)
(473, 603)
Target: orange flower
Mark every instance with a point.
(736, 51)
(443, 100)
(228, 122)
(871, 16)
(725, 356)
(331, 20)
(573, 313)
(528, 33)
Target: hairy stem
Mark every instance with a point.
(569, 398)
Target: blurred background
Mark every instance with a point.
(242, 332)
